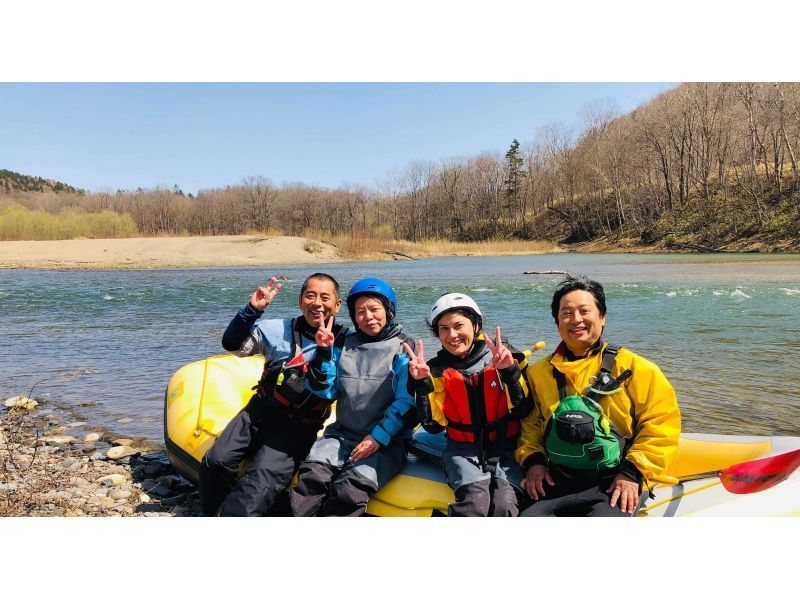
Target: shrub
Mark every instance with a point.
(20, 224)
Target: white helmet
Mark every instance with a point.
(450, 301)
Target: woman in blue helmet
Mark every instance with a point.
(375, 413)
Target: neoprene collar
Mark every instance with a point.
(389, 331)
(309, 331)
(476, 353)
(570, 356)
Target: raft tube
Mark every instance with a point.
(203, 396)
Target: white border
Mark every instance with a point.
(412, 40)
(430, 557)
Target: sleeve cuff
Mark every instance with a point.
(381, 436)
(510, 375)
(534, 459)
(433, 427)
(252, 312)
(630, 470)
(323, 354)
(419, 387)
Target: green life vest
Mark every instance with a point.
(579, 435)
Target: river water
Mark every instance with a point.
(723, 328)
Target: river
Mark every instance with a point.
(723, 328)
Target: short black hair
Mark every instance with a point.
(477, 321)
(320, 276)
(579, 283)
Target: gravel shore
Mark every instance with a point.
(52, 467)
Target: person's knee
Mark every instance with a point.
(350, 492)
(313, 477)
(505, 500)
(313, 481)
(603, 508)
(273, 465)
(216, 460)
(536, 509)
(472, 500)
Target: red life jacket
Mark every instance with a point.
(476, 403)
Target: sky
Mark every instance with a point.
(108, 136)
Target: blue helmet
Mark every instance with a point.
(372, 286)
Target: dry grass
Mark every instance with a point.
(367, 248)
(498, 247)
(18, 223)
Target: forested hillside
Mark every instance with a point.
(13, 182)
(709, 165)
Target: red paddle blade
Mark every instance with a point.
(758, 475)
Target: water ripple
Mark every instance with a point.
(722, 330)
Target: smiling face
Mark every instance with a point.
(456, 333)
(370, 315)
(319, 301)
(579, 321)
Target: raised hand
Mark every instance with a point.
(263, 296)
(417, 368)
(501, 355)
(325, 336)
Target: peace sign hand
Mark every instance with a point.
(325, 336)
(263, 295)
(501, 355)
(417, 368)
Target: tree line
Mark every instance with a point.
(718, 161)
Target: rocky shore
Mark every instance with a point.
(52, 467)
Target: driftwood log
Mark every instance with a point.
(550, 272)
(694, 247)
(397, 254)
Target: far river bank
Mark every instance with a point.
(144, 253)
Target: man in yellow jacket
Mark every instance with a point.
(605, 421)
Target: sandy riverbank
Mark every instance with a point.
(165, 252)
(258, 250)
(233, 250)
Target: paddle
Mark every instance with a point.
(758, 475)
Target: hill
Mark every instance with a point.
(11, 182)
(701, 167)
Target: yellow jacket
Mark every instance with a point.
(645, 412)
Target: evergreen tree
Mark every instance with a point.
(514, 173)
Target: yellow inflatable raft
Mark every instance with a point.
(203, 396)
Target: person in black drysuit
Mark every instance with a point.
(275, 433)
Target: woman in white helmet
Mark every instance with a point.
(474, 389)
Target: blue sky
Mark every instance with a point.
(121, 135)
